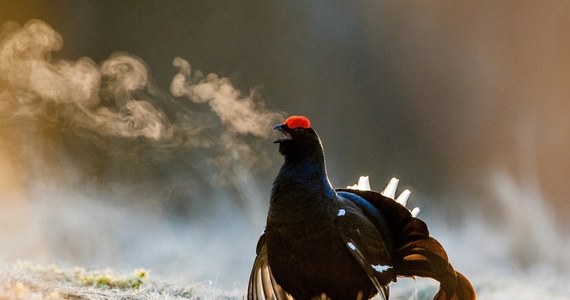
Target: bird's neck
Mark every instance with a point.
(301, 185)
(304, 170)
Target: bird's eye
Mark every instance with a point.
(299, 130)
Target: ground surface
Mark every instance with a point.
(23, 281)
(29, 281)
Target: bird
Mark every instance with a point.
(346, 243)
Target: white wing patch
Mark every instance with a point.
(341, 212)
(382, 290)
(381, 268)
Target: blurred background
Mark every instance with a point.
(138, 133)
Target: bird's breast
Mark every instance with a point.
(309, 258)
(306, 254)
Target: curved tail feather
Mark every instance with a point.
(427, 258)
(415, 253)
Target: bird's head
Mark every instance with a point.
(297, 139)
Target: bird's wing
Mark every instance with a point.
(366, 245)
(262, 285)
(415, 252)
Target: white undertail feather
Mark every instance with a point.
(415, 211)
(363, 184)
(389, 191)
(403, 198)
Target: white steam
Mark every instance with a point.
(242, 115)
(112, 99)
(32, 80)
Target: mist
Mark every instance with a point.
(145, 140)
(80, 210)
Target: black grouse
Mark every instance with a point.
(339, 244)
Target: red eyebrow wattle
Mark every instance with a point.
(297, 121)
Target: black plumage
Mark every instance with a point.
(343, 243)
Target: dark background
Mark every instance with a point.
(466, 103)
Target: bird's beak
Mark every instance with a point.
(284, 135)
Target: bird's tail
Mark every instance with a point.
(416, 253)
(427, 258)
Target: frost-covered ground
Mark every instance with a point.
(28, 281)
